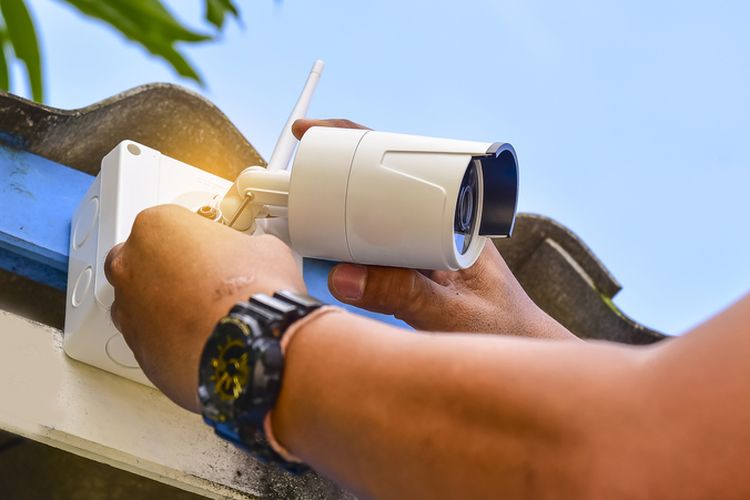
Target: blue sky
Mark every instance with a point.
(630, 118)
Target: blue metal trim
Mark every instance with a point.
(38, 198)
(31, 269)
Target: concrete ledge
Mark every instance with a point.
(52, 399)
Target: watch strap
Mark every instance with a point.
(267, 319)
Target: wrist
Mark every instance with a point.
(294, 330)
(295, 412)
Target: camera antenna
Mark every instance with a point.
(284, 149)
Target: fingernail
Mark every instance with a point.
(349, 280)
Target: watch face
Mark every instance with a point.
(225, 367)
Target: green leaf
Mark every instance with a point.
(4, 74)
(148, 23)
(22, 36)
(216, 11)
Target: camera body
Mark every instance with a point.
(401, 200)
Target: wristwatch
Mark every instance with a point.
(241, 367)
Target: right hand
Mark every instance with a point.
(484, 298)
(176, 275)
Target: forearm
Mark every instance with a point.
(398, 414)
(700, 405)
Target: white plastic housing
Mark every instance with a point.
(382, 198)
(133, 177)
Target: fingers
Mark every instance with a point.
(113, 264)
(112, 271)
(299, 127)
(113, 313)
(405, 293)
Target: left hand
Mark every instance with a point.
(175, 277)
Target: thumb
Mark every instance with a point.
(405, 293)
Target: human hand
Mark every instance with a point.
(484, 298)
(175, 277)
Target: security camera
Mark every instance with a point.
(381, 198)
(399, 200)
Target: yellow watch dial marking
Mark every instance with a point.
(231, 369)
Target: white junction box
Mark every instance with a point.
(133, 177)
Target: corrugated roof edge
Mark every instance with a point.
(564, 277)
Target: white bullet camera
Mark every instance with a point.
(399, 200)
(380, 198)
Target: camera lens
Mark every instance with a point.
(466, 209)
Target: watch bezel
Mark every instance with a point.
(233, 327)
